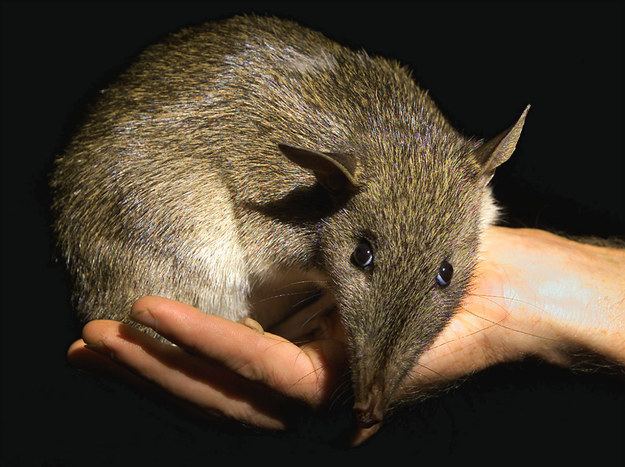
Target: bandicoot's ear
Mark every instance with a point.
(335, 171)
(498, 150)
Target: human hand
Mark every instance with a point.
(218, 366)
(533, 293)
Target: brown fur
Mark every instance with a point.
(175, 186)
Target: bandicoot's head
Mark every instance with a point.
(401, 248)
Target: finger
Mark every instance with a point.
(85, 358)
(211, 387)
(304, 373)
(81, 356)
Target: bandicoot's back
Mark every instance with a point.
(147, 192)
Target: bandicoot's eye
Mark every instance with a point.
(362, 256)
(445, 273)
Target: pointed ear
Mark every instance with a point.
(498, 150)
(335, 171)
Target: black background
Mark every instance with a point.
(481, 62)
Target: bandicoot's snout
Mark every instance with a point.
(369, 411)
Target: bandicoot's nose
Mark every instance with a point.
(370, 411)
(366, 418)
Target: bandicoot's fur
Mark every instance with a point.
(176, 186)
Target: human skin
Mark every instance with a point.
(533, 294)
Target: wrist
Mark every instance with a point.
(596, 322)
(567, 302)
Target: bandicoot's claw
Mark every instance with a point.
(363, 434)
(252, 324)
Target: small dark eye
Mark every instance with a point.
(445, 273)
(362, 256)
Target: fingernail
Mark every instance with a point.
(101, 348)
(144, 317)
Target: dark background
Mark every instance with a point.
(481, 62)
